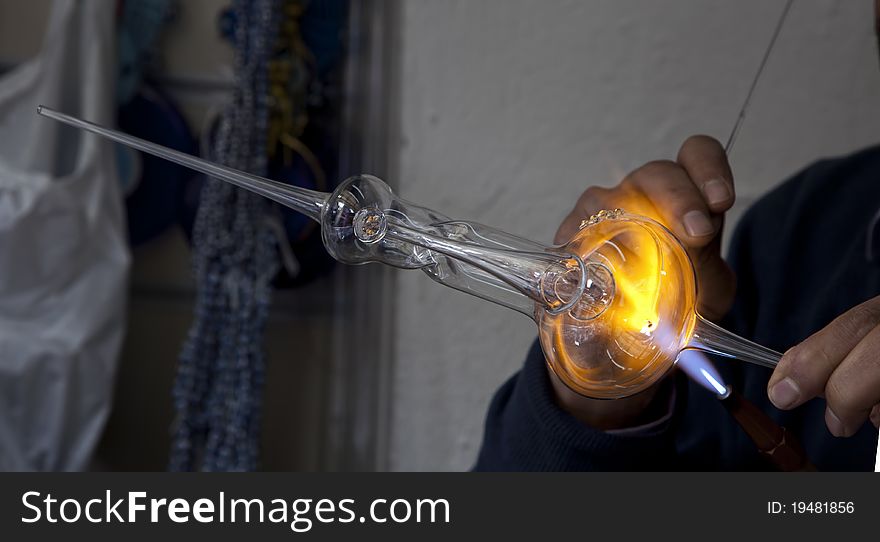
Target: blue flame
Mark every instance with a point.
(701, 370)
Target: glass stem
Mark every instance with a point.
(302, 200)
(716, 340)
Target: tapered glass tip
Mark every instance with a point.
(713, 339)
(307, 202)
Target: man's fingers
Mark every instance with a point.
(706, 163)
(804, 371)
(686, 196)
(854, 387)
(677, 200)
(595, 199)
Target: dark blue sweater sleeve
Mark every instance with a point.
(527, 431)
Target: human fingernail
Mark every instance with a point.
(875, 417)
(785, 393)
(834, 424)
(716, 192)
(697, 224)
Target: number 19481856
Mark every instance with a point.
(811, 507)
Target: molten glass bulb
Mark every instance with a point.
(636, 314)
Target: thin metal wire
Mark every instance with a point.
(728, 148)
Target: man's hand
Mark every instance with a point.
(688, 196)
(842, 363)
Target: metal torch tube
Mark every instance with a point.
(774, 442)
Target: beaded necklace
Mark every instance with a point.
(218, 391)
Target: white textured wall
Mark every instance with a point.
(510, 108)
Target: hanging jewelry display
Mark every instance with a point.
(303, 147)
(290, 74)
(218, 391)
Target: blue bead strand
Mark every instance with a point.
(218, 390)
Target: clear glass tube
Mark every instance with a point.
(363, 221)
(615, 306)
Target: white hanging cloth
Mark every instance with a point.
(63, 250)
